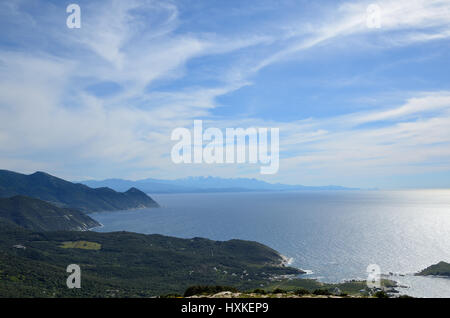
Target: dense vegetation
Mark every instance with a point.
(348, 289)
(439, 269)
(128, 264)
(45, 187)
(38, 215)
(315, 287)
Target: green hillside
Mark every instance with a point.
(439, 269)
(38, 215)
(45, 187)
(124, 264)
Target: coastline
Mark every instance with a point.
(317, 270)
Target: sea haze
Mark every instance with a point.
(335, 234)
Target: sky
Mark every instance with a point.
(356, 105)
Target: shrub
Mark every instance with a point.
(278, 291)
(380, 294)
(259, 291)
(321, 292)
(171, 296)
(301, 292)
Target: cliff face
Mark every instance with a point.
(63, 193)
(38, 215)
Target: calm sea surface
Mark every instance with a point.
(333, 234)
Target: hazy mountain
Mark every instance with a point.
(38, 215)
(60, 192)
(147, 185)
(202, 184)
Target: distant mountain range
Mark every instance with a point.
(63, 193)
(203, 184)
(37, 215)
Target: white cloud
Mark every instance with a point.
(406, 145)
(48, 120)
(403, 22)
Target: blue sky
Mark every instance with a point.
(356, 106)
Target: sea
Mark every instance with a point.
(333, 235)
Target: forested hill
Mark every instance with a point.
(38, 215)
(60, 192)
(439, 269)
(124, 264)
